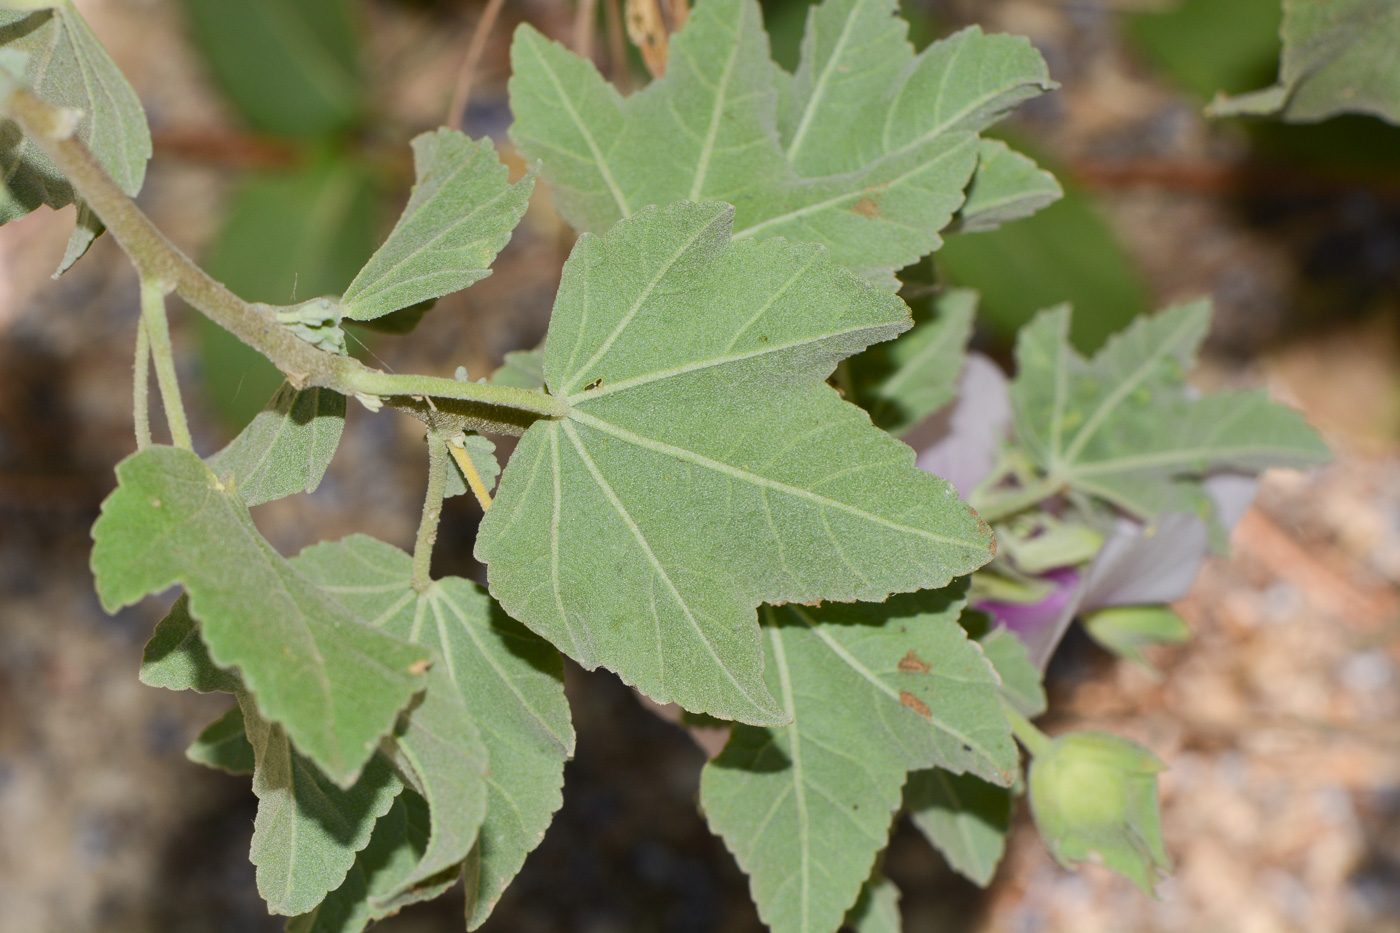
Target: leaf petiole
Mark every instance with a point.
(1035, 741)
(157, 331)
(141, 387)
(432, 512)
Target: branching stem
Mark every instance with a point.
(157, 259)
(432, 512)
(141, 387)
(157, 331)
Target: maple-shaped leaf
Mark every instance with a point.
(874, 691)
(1124, 426)
(511, 685)
(867, 148)
(335, 684)
(705, 466)
(287, 446)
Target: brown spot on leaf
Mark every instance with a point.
(420, 666)
(916, 704)
(867, 208)
(911, 663)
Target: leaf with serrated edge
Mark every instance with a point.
(877, 908)
(705, 466)
(1007, 186)
(903, 382)
(876, 145)
(307, 830)
(460, 216)
(335, 684)
(224, 745)
(874, 690)
(1020, 678)
(1338, 57)
(963, 817)
(1123, 426)
(287, 446)
(175, 658)
(68, 67)
(510, 680)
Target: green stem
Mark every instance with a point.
(141, 387)
(158, 338)
(256, 324)
(432, 512)
(1035, 741)
(994, 506)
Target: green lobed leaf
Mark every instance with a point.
(175, 658)
(867, 149)
(308, 829)
(874, 691)
(903, 382)
(510, 680)
(335, 684)
(290, 66)
(1007, 186)
(287, 446)
(963, 817)
(66, 66)
(224, 745)
(460, 215)
(877, 908)
(394, 850)
(1338, 57)
(1123, 426)
(705, 466)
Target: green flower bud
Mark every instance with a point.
(1094, 797)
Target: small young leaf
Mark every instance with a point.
(877, 908)
(286, 448)
(1020, 679)
(903, 382)
(307, 830)
(963, 817)
(523, 369)
(1007, 186)
(1123, 427)
(1338, 57)
(224, 745)
(68, 67)
(876, 145)
(395, 848)
(705, 466)
(335, 684)
(176, 659)
(874, 691)
(481, 454)
(459, 217)
(510, 680)
(1126, 630)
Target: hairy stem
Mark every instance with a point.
(141, 387)
(432, 512)
(157, 330)
(155, 257)
(1035, 741)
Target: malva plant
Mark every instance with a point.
(710, 496)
